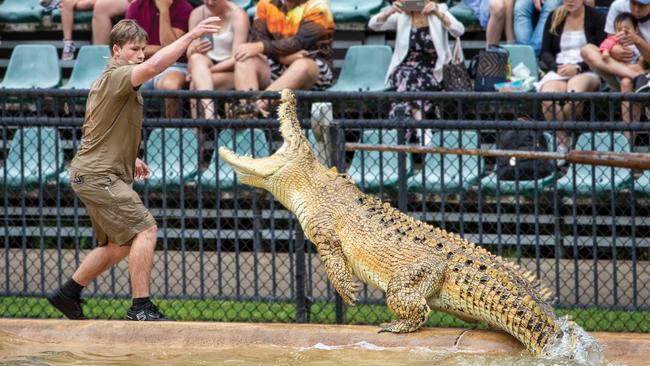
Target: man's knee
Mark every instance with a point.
(626, 84)
(305, 66)
(522, 9)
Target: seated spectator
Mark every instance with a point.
(567, 30)
(103, 13)
(615, 68)
(291, 47)
(421, 49)
(495, 16)
(527, 32)
(210, 61)
(165, 21)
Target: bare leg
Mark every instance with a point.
(578, 84)
(252, 74)
(592, 56)
(553, 111)
(301, 74)
(67, 14)
(630, 112)
(496, 23)
(99, 260)
(199, 67)
(509, 30)
(173, 80)
(103, 11)
(141, 261)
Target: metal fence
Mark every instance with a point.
(583, 229)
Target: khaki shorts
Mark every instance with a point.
(115, 209)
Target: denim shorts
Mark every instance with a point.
(151, 83)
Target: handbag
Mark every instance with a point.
(455, 76)
(489, 67)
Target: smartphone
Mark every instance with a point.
(413, 5)
(207, 37)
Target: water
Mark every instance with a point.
(17, 352)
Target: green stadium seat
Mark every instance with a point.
(90, 63)
(220, 175)
(26, 166)
(32, 66)
(521, 53)
(642, 185)
(172, 156)
(490, 184)
(448, 173)
(463, 13)
(595, 180)
(374, 171)
(80, 17)
(364, 69)
(243, 3)
(251, 12)
(21, 11)
(348, 11)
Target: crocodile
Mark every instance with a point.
(420, 267)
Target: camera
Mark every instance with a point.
(207, 37)
(413, 5)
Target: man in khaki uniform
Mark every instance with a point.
(103, 170)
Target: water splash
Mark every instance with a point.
(574, 343)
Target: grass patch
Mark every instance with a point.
(280, 312)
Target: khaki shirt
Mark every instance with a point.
(111, 129)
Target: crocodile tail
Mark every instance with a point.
(574, 343)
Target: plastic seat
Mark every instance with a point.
(463, 13)
(448, 173)
(21, 11)
(595, 180)
(220, 175)
(245, 4)
(354, 10)
(364, 69)
(80, 17)
(33, 66)
(90, 63)
(35, 156)
(642, 185)
(521, 53)
(251, 13)
(490, 184)
(172, 156)
(374, 171)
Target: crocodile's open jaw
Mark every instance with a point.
(253, 171)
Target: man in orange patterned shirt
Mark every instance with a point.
(291, 47)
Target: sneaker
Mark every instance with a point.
(50, 4)
(147, 313)
(642, 83)
(68, 51)
(71, 308)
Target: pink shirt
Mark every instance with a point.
(146, 14)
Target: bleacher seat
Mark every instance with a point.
(448, 173)
(463, 13)
(490, 184)
(364, 69)
(79, 16)
(374, 171)
(251, 13)
(35, 154)
(354, 10)
(21, 11)
(595, 179)
(220, 175)
(243, 3)
(172, 156)
(521, 53)
(90, 63)
(33, 66)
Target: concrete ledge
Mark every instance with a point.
(620, 348)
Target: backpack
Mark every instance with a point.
(489, 67)
(511, 168)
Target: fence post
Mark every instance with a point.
(302, 305)
(338, 154)
(402, 198)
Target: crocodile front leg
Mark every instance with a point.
(407, 293)
(336, 266)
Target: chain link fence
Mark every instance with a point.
(229, 252)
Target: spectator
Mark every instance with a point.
(495, 16)
(567, 30)
(103, 13)
(525, 31)
(210, 63)
(291, 47)
(421, 49)
(68, 8)
(615, 69)
(165, 21)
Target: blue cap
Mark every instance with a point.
(644, 2)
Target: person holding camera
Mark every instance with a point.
(421, 47)
(210, 62)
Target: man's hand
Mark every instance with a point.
(207, 25)
(163, 4)
(246, 50)
(538, 4)
(142, 171)
(622, 54)
(430, 8)
(567, 70)
(396, 8)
